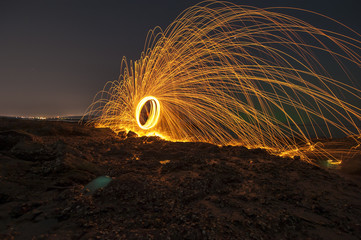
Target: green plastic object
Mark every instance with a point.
(99, 182)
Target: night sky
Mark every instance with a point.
(55, 55)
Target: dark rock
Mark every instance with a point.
(4, 198)
(132, 134)
(8, 139)
(352, 165)
(165, 190)
(21, 209)
(32, 151)
(122, 134)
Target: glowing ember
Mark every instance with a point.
(226, 74)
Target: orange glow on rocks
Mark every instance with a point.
(228, 74)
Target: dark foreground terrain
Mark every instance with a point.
(163, 190)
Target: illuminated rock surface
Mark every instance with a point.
(163, 189)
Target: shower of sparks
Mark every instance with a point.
(228, 74)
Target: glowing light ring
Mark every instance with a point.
(153, 115)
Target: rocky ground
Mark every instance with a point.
(163, 190)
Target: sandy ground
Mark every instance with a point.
(163, 190)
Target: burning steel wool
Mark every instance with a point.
(228, 74)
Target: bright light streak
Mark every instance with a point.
(152, 118)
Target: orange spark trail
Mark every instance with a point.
(228, 74)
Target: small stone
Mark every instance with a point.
(132, 134)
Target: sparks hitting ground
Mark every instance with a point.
(228, 74)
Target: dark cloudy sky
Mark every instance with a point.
(55, 55)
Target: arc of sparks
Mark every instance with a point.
(229, 74)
